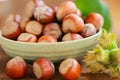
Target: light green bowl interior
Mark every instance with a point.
(54, 51)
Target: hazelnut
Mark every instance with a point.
(72, 23)
(11, 30)
(43, 68)
(52, 29)
(71, 36)
(44, 14)
(88, 30)
(66, 8)
(47, 38)
(96, 19)
(27, 37)
(70, 69)
(34, 27)
(16, 68)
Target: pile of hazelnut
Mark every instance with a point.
(42, 23)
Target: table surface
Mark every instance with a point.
(115, 14)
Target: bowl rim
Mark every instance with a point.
(73, 41)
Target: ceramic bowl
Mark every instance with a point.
(54, 51)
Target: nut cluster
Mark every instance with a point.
(43, 68)
(43, 23)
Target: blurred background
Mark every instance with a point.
(17, 6)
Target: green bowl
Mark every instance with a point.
(54, 51)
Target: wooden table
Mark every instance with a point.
(115, 13)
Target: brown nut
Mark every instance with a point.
(52, 29)
(66, 8)
(70, 69)
(47, 38)
(16, 68)
(34, 27)
(72, 23)
(71, 36)
(88, 30)
(96, 19)
(11, 30)
(43, 69)
(26, 37)
(21, 20)
(44, 14)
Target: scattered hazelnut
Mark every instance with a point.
(43, 68)
(70, 69)
(16, 68)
